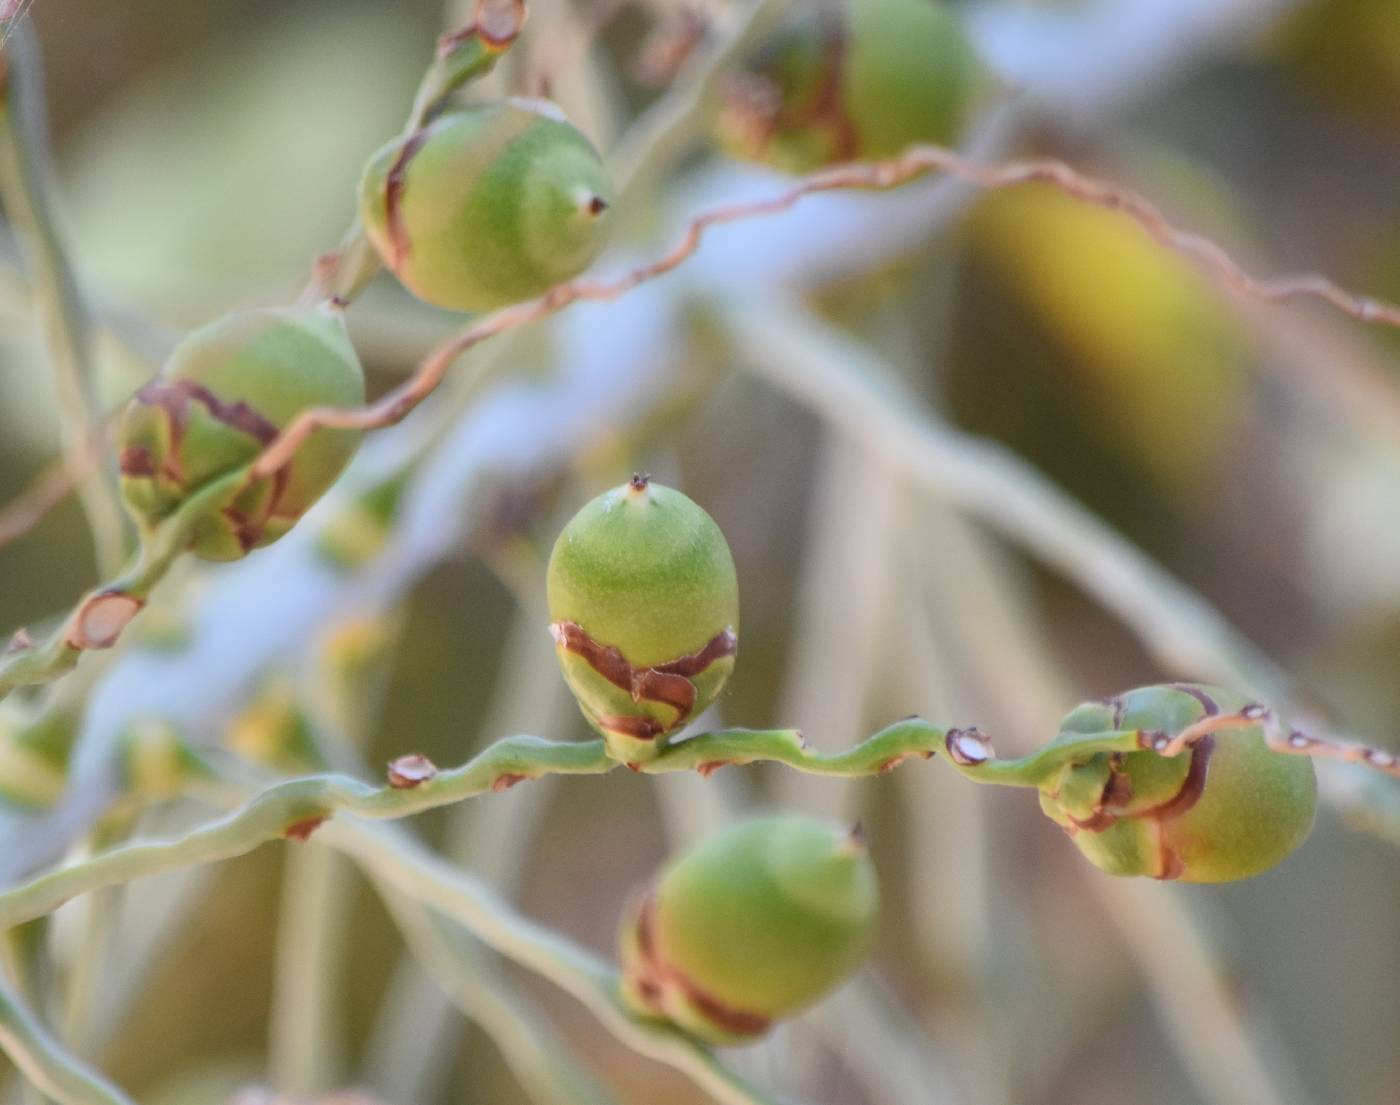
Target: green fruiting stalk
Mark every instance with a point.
(644, 609)
(486, 205)
(756, 923)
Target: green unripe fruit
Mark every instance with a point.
(226, 391)
(486, 206)
(644, 609)
(854, 79)
(758, 922)
(1227, 808)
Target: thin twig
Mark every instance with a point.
(25, 189)
(45, 1063)
(918, 161)
(49, 488)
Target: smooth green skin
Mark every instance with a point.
(766, 917)
(495, 204)
(278, 362)
(908, 74)
(649, 573)
(1256, 808)
(911, 74)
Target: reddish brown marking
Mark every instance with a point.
(1169, 864)
(506, 781)
(174, 398)
(394, 186)
(1191, 787)
(1118, 790)
(890, 764)
(411, 771)
(1209, 704)
(137, 461)
(1100, 820)
(302, 830)
(658, 974)
(669, 683)
(1118, 793)
(626, 725)
(709, 767)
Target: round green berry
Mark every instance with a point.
(224, 394)
(755, 924)
(644, 609)
(487, 205)
(851, 80)
(1227, 808)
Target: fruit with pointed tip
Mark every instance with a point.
(487, 205)
(644, 609)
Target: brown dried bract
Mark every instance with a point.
(669, 683)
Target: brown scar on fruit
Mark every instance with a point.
(411, 771)
(174, 397)
(394, 185)
(653, 974)
(302, 830)
(669, 683)
(1117, 793)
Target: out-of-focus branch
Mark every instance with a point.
(25, 190)
(44, 1062)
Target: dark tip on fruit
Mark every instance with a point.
(597, 205)
(639, 481)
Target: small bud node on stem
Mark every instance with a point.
(410, 771)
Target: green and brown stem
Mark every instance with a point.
(294, 809)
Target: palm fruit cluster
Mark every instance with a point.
(223, 395)
(1226, 808)
(853, 79)
(755, 924)
(486, 205)
(644, 609)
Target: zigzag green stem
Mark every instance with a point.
(295, 808)
(423, 877)
(44, 1062)
(100, 616)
